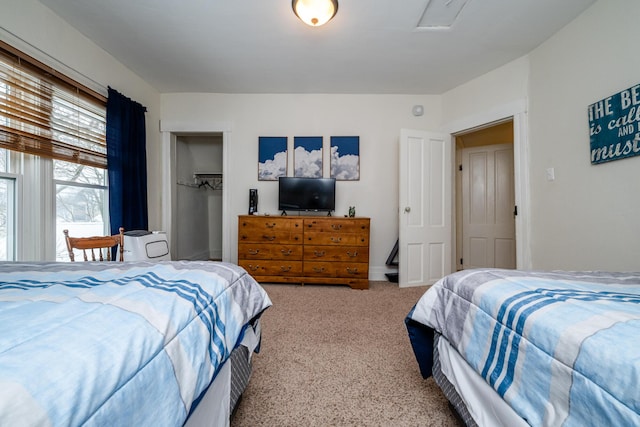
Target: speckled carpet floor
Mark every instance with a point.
(334, 356)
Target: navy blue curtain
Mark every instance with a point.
(126, 163)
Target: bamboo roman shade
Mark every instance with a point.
(45, 113)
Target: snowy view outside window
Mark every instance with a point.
(81, 203)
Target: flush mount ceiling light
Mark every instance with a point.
(315, 12)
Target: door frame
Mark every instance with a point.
(169, 129)
(517, 111)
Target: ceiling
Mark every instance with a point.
(260, 46)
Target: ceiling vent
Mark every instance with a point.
(441, 14)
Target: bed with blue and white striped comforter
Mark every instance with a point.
(561, 348)
(117, 343)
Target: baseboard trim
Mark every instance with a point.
(377, 273)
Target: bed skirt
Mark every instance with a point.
(448, 388)
(472, 398)
(216, 406)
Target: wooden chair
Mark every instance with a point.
(95, 243)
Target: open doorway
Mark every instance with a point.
(485, 197)
(199, 186)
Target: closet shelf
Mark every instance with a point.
(205, 175)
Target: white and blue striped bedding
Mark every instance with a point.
(117, 343)
(561, 348)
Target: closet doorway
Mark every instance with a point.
(197, 215)
(485, 198)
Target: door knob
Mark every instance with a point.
(407, 209)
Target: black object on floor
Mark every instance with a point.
(392, 260)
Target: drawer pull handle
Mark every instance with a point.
(318, 269)
(254, 251)
(286, 252)
(272, 225)
(352, 254)
(319, 253)
(352, 270)
(269, 238)
(253, 267)
(285, 268)
(243, 237)
(336, 239)
(336, 226)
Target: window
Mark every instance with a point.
(52, 159)
(82, 204)
(7, 209)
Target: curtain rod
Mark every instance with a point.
(40, 55)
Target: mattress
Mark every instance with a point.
(557, 347)
(118, 343)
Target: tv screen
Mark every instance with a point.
(306, 194)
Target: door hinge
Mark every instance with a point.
(515, 211)
(461, 261)
(460, 167)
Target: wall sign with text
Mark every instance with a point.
(614, 126)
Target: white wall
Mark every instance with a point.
(376, 119)
(485, 96)
(33, 28)
(588, 218)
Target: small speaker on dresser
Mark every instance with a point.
(253, 201)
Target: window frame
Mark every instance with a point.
(13, 217)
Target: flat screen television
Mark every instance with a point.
(306, 194)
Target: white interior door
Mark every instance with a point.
(488, 221)
(425, 207)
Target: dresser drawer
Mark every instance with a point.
(356, 270)
(336, 253)
(345, 225)
(251, 223)
(261, 229)
(271, 237)
(269, 251)
(333, 239)
(272, 268)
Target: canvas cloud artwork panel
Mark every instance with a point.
(272, 157)
(307, 156)
(345, 158)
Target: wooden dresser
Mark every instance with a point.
(305, 249)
